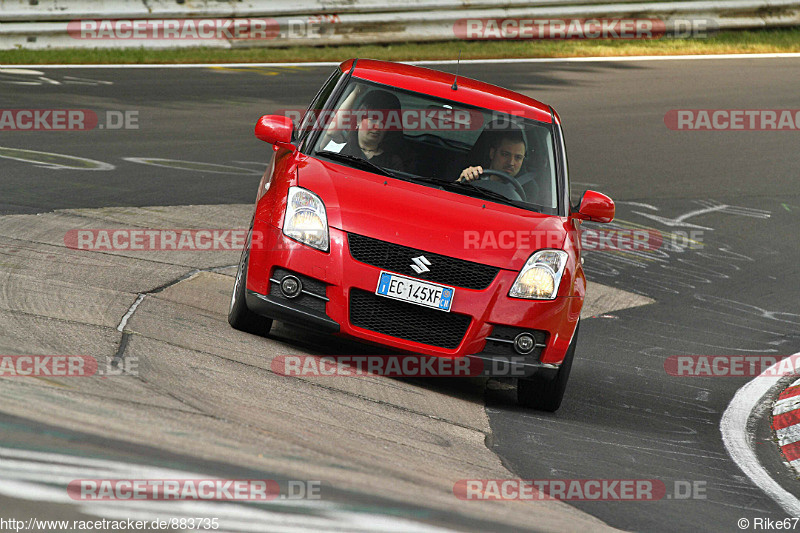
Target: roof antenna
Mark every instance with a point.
(455, 80)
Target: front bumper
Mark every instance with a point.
(340, 277)
(279, 309)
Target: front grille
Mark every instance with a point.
(443, 269)
(407, 321)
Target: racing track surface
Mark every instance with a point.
(623, 416)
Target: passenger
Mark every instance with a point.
(371, 140)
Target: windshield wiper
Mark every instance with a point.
(363, 164)
(457, 184)
(426, 179)
(483, 192)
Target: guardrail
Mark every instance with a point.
(38, 24)
(41, 10)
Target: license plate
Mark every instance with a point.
(415, 291)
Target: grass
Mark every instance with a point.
(748, 42)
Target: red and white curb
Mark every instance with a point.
(738, 439)
(786, 423)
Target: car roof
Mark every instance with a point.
(439, 84)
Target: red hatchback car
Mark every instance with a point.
(423, 212)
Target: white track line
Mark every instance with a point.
(435, 62)
(43, 476)
(737, 439)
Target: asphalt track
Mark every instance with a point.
(623, 416)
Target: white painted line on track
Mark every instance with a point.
(52, 160)
(737, 439)
(434, 62)
(194, 166)
(43, 477)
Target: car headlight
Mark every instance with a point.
(305, 219)
(541, 276)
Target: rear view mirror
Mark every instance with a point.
(276, 130)
(595, 207)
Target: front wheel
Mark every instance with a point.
(239, 316)
(546, 394)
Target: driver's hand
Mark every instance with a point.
(470, 173)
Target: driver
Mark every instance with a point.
(506, 153)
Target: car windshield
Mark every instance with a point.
(432, 141)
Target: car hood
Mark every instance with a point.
(429, 219)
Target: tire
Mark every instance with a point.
(546, 394)
(239, 316)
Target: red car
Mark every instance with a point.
(427, 213)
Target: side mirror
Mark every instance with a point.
(595, 207)
(276, 130)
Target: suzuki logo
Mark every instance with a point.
(421, 264)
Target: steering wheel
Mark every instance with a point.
(507, 178)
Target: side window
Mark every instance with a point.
(313, 111)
